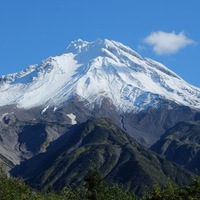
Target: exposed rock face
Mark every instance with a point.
(22, 136)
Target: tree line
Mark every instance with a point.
(95, 188)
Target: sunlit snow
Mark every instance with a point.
(73, 118)
(44, 110)
(93, 71)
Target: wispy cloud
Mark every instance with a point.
(164, 43)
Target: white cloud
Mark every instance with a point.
(164, 43)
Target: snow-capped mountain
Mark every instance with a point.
(94, 71)
(50, 111)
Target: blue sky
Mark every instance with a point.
(167, 31)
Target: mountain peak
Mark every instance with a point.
(99, 47)
(81, 46)
(76, 46)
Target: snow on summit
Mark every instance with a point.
(94, 71)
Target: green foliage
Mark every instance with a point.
(193, 190)
(174, 192)
(16, 189)
(13, 189)
(97, 189)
